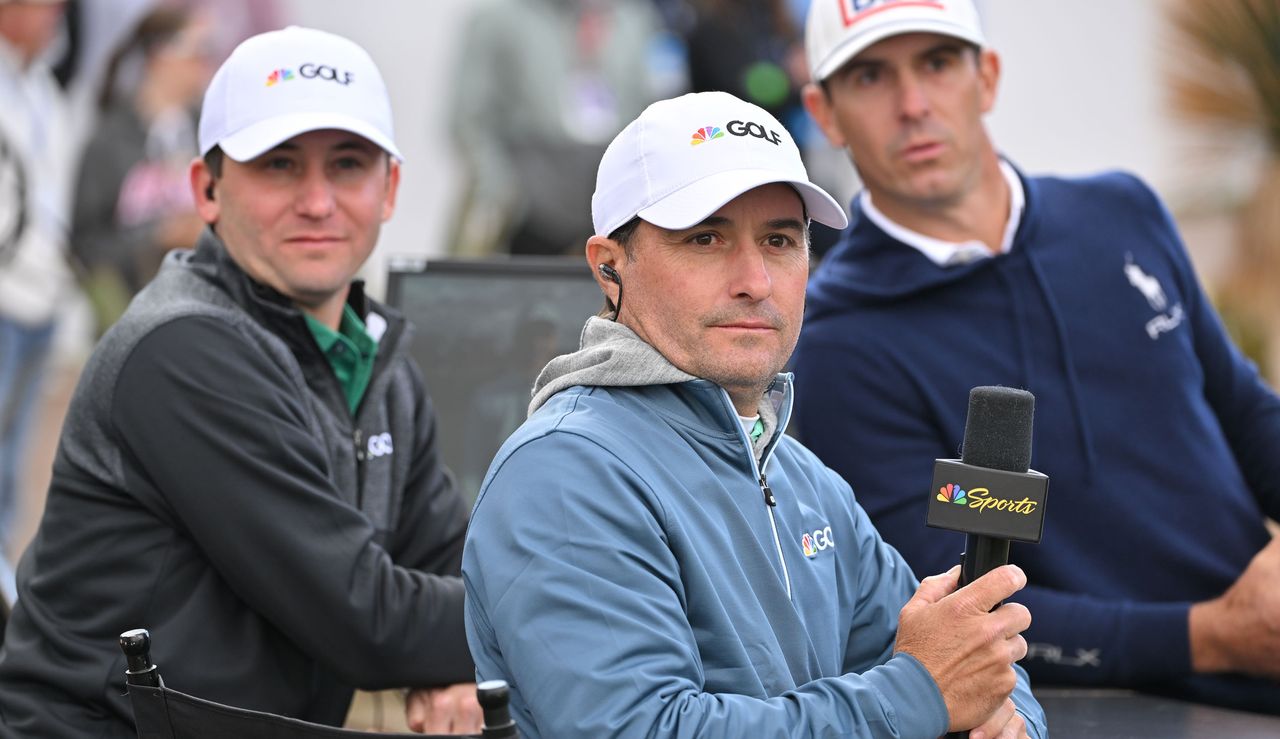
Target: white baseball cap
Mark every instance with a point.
(839, 30)
(279, 84)
(684, 158)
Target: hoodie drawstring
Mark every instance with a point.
(1019, 329)
(1073, 384)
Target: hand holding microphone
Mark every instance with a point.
(967, 647)
(991, 495)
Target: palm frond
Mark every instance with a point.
(1226, 68)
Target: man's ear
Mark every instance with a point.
(603, 251)
(204, 191)
(819, 106)
(393, 186)
(989, 75)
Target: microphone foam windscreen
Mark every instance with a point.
(997, 432)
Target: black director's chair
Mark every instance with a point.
(164, 713)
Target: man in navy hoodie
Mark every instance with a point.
(1156, 570)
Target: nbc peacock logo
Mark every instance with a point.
(812, 542)
(952, 493)
(705, 134)
(279, 75)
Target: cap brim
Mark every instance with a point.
(254, 140)
(693, 203)
(856, 44)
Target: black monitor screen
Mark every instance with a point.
(484, 329)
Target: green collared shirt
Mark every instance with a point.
(350, 351)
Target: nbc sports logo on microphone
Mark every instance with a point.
(952, 493)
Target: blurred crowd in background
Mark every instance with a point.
(98, 103)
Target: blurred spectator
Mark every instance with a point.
(677, 15)
(132, 200)
(93, 30)
(34, 185)
(754, 50)
(542, 87)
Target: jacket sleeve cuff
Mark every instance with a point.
(1028, 706)
(1034, 730)
(1159, 643)
(911, 695)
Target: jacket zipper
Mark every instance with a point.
(358, 437)
(777, 543)
(388, 346)
(770, 502)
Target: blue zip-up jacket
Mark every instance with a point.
(625, 574)
(1159, 438)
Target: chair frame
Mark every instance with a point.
(160, 712)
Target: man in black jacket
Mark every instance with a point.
(249, 466)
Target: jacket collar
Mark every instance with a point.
(277, 313)
(265, 303)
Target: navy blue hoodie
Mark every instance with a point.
(1159, 438)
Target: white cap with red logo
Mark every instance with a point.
(685, 158)
(279, 84)
(839, 30)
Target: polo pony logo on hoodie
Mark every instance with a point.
(812, 542)
(1153, 291)
(1146, 284)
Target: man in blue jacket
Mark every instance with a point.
(1156, 569)
(649, 555)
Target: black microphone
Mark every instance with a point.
(990, 494)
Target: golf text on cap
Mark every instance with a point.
(310, 71)
(736, 128)
(852, 11)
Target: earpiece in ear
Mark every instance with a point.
(610, 274)
(208, 191)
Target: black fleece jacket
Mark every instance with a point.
(212, 486)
